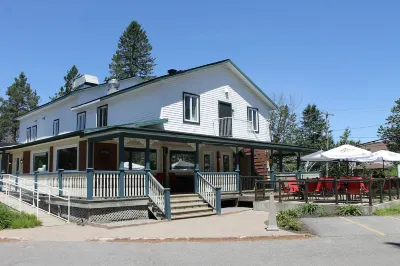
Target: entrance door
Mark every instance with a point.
(225, 121)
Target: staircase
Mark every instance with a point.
(260, 162)
(184, 206)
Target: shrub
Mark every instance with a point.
(349, 210)
(287, 222)
(309, 209)
(10, 218)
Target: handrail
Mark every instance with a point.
(38, 191)
(159, 195)
(34, 182)
(209, 193)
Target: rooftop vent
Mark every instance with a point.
(172, 72)
(85, 81)
(113, 86)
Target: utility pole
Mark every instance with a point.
(327, 136)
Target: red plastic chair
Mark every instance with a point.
(354, 189)
(293, 187)
(160, 178)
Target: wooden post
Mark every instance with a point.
(279, 190)
(237, 170)
(167, 202)
(253, 167)
(60, 182)
(147, 166)
(218, 200)
(390, 188)
(89, 183)
(196, 168)
(335, 189)
(298, 161)
(121, 177)
(380, 190)
(90, 154)
(306, 190)
(280, 161)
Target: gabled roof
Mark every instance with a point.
(227, 62)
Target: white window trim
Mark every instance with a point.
(191, 106)
(78, 116)
(30, 134)
(55, 159)
(253, 110)
(97, 114)
(36, 152)
(58, 125)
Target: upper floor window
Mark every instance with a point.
(191, 108)
(102, 113)
(252, 117)
(28, 134)
(56, 127)
(34, 133)
(81, 121)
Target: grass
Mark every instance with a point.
(11, 219)
(349, 210)
(288, 219)
(388, 211)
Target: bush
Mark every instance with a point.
(10, 218)
(286, 219)
(349, 210)
(309, 209)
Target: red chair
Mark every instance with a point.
(354, 189)
(311, 187)
(293, 187)
(160, 178)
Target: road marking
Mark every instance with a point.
(364, 226)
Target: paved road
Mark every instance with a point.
(354, 250)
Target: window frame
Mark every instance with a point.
(55, 156)
(98, 117)
(188, 121)
(32, 164)
(132, 150)
(28, 136)
(34, 136)
(182, 152)
(258, 118)
(58, 127)
(84, 122)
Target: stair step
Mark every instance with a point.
(183, 200)
(178, 205)
(193, 215)
(183, 195)
(190, 210)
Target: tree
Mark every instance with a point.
(133, 56)
(283, 122)
(312, 129)
(72, 74)
(390, 132)
(21, 99)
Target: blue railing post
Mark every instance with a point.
(89, 183)
(167, 202)
(16, 180)
(121, 183)
(60, 181)
(237, 169)
(218, 200)
(35, 179)
(196, 181)
(147, 167)
(196, 168)
(299, 174)
(272, 177)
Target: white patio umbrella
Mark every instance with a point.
(381, 156)
(134, 166)
(346, 153)
(314, 157)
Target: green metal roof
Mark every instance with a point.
(128, 125)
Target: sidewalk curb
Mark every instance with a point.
(11, 239)
(202, 239)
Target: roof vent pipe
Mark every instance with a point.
(113, 86)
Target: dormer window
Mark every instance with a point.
(191, 108)
(102, 113)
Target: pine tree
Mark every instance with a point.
(133, 56)
(72, 74)
(390, 133)
(21, 99)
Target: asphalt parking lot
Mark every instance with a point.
(354, 226)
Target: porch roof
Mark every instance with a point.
(155, 134)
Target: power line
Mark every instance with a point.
(356, 127)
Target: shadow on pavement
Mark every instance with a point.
(393, 244)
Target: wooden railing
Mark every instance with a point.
(160, 196)
(209, 193)
(105, 184)
(135, 183)
(74, 182)
(226, 181)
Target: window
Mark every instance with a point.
(191, 108)
(81, 121)
(40, 161)
(34, 133)
(252, 117)
(181, 160)
(209, 162)
(28, 134)
(102, 112)
(56, 127)
(135, 159)
(67, 158)
(225, 163)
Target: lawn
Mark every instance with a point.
(389, 211)
(12, 219)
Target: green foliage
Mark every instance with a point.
(349, 210)
(283, 122)
(309, 208)
(286, 220)
(72, 74)
(15, 220)
(388, 211)
(20, 99)
(133, 56)
(391, 131)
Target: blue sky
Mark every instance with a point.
(342, 55)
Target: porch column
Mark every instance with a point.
(121, 155)
(237, 170)
(280, 161)
(147, 166)
(272, 159)
(3, 161)
(196, 168)
(298, 161)
(253, 167)
(90, 154)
